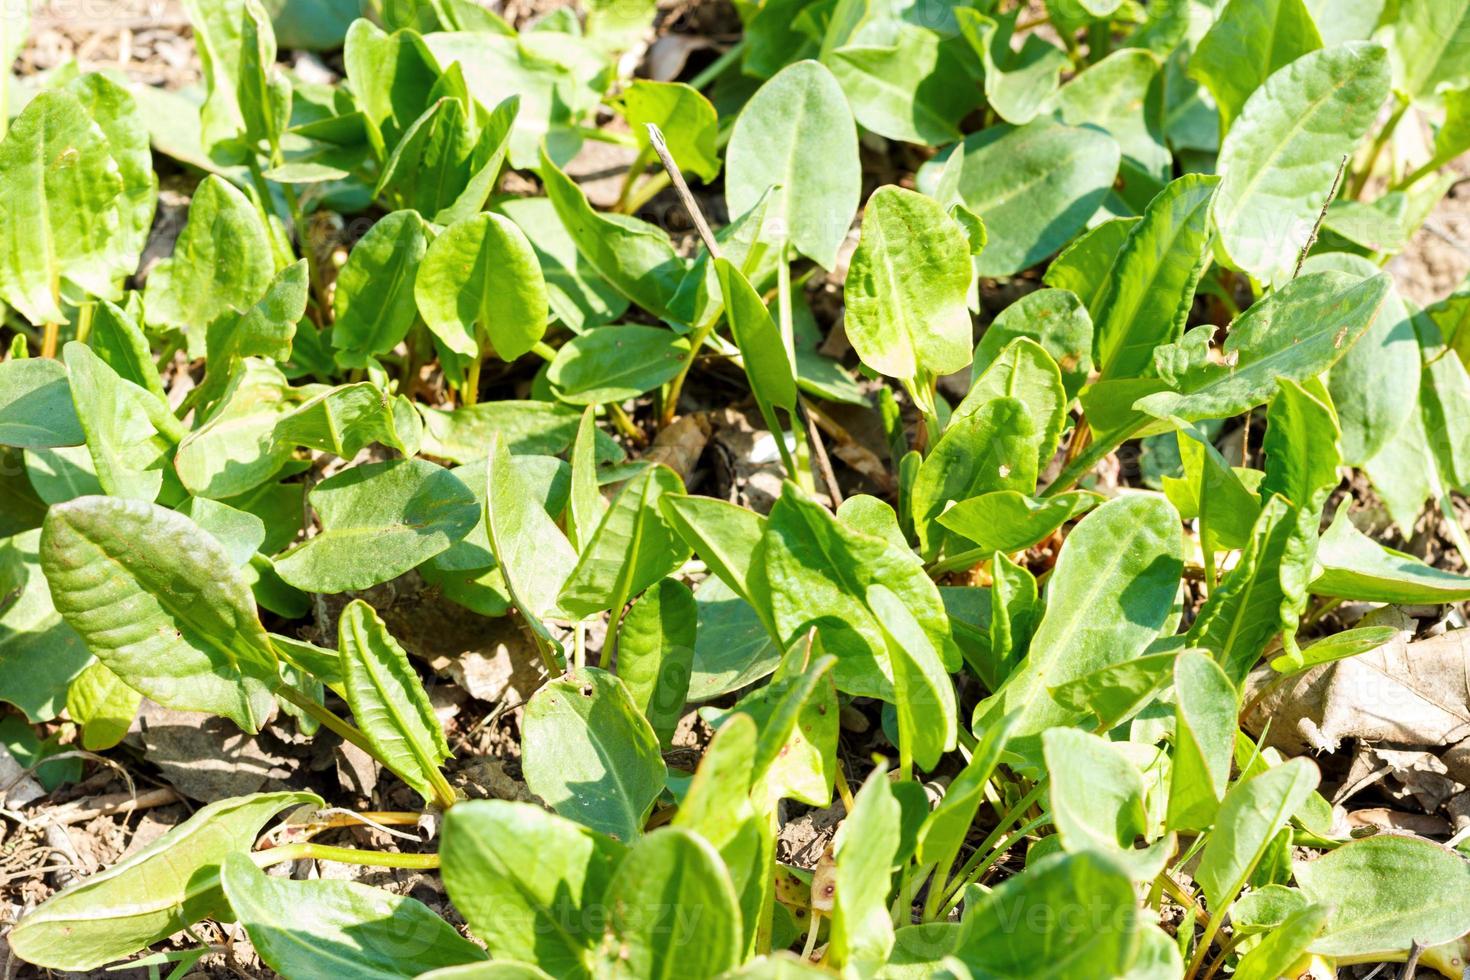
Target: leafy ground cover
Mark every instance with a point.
(792, 489)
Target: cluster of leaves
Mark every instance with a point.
(1194, 158)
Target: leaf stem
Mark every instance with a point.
(1090, 457)
(343, 855)
(444, 794)
(999, 851)
(717, 67)
(52, 332)
(635, 170)
(1360, 179)
(470, 393)
(986, 846)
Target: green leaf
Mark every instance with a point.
(1035, 186)
(390, 75)
(1117, 693)
(732, 648)
(632, 548)
(796, 755)
(923, 692)
(103, 705)
(590, 754)
(1097, 801)
(1444, 386)
(717, 807)
(947, 826)
(1017, 83)
(1014, 610)
(266, 329)
(1212, 490)
(1009, 521)
(1205, 709)
(1107, 599)
(1351, 565)
(992, 448)
(1053, 318)
(159, 602)
(1248, 42)
(1300, 446)
(615, 363)
(529, 884)
(388, 701)
(1263, 909)
(241, 533)
(130, 434)
(1150, 289)
(767, 361)
(40, 654)
(1243, 613)
(446, 164)
(1296, 332)
(559, 77)
(480, 278)
(1385, 893)
(579, 296)
(718, 800)
(797, 135)
(1024, 371)
(649, 931)
(685, 117)
(235, 450)
(78, 198)
(373, 305)
(906, 288)
(1284, 946)
(529, 548)
(725, 536)
(866, 846)
(1083, 267)
(36, 405)
(1103, 942)
(656, 652)
(1252, 813)
(1428, 48)
(324, 928)
(1375, 385)
(167, 886)
(263, 91)
(815, 569)
(378, 521)
(636, 258)
(118, 339)
(1124, 95)
(914, 83)
(221, 264)
(547, 428)
(1280, 158)
(546, 480)
(1339, 646)
(346, 419)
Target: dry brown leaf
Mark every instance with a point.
(1406, 693)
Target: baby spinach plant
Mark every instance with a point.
(1190, 205)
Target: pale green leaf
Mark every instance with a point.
(158, 601)
(590, 754)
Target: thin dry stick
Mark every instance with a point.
(656, 140)
(824, 464)
(107, 806)
(1412, 963)
(1321, 217)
